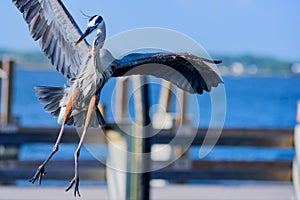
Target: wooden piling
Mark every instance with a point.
(121, 106)
(165, 95)
(181, 107)
(146, 141)
(117, 144)
(7, 92)
(296, 161)
(6, 102)
(139, 144)
(298, 112)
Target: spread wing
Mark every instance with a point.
(51, 24)
(189, 72)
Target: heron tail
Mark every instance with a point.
(51, 97)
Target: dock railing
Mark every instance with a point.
(272, 170)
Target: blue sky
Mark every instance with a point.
(231, 27)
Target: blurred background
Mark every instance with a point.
(258, 42)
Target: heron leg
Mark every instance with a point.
(100, 117)
(91, 110)
(41, 169)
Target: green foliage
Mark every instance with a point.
(26, 59)
(259, 62)
(36, 59)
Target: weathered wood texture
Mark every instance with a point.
(229, 137)
(201, 170)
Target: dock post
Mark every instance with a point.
(181, 107)
(139, 145)
(121, 99)
(146, 139)
(117, 160)
(7, 67)
(296, 166)
(7, 92)
(163, 118)
(165, 95)
(298, 112)
(128, 175)
(116, 165)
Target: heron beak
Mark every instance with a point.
(88, 31)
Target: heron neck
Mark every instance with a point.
(97, 45)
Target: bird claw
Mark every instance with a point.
(75, 181)
(40, 172)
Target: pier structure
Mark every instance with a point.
(127, 173)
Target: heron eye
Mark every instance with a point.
(92, 18)
(93, 21)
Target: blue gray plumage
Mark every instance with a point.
(51, 24)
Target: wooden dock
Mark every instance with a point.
(270, 179)
(263, 170)
(174, 192)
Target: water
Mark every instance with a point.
(252, 102)
(262, 102)
(269, 102)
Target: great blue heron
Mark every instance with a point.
(88, 67)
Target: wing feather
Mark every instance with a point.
(187, 71)
(51, 24)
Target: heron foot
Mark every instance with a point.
(75, 181)
(40, 172)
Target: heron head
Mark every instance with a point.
(95, 23)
